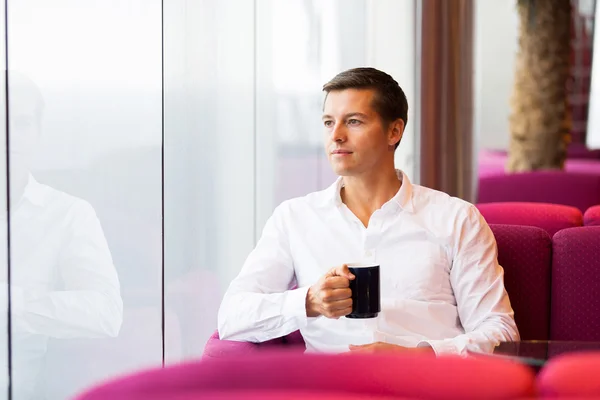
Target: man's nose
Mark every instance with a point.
(338, 133)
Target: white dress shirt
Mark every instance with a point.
(441, 283)
(63, 281)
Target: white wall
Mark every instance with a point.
(496, 28)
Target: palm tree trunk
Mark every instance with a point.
(540, 120)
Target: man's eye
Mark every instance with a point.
(353, 122)
(328, 123)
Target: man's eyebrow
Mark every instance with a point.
(355, 114)
(349, 115)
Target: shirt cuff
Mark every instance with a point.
(440, 347)
(295, 305)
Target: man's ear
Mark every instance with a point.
(395, 132)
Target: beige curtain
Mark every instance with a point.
(446, 103)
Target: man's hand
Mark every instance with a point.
(331, 295)
(380, 347)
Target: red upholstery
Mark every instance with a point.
(592, 216)
(572, 375)
(576, 189)
(574, 151)
(422, 377)
(550, 217)
(525, 254)
(576, 284)
(493, 162)
(217, 348)
(269, 395)
(580, 151)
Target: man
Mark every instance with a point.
(63, 281)
(441, 286)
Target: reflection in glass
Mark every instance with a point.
(87, 248)
(64, 284)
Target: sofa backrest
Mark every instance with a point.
(525, 253)
(576, 284)
(550, 217)
(577, 189)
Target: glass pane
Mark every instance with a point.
(302, 44)
(209, 162)
(85, 168)
(4, 341)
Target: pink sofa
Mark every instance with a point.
(327, 376)
(571, 376)
(578, 185)
(575, 151)
(525, 252)
(592, 216)
(551, 282)
(575, 189)
(575, 306)
(550, 217)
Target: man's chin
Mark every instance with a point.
(344, 171)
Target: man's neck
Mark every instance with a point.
(363, 195)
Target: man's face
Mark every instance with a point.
(24, 137)
(24, 141)
(355, 139)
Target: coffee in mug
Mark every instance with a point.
(366, 300)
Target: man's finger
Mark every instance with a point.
(338, 305)
(360, 347)
(336, 282)
(341, 271)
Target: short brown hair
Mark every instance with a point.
(389, 101)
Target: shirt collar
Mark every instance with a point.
(403, 198)
(34, 192)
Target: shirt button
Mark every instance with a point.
(369, 253)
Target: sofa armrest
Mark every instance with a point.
(217, 348)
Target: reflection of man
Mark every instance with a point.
(63, 281)
(442, 288)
